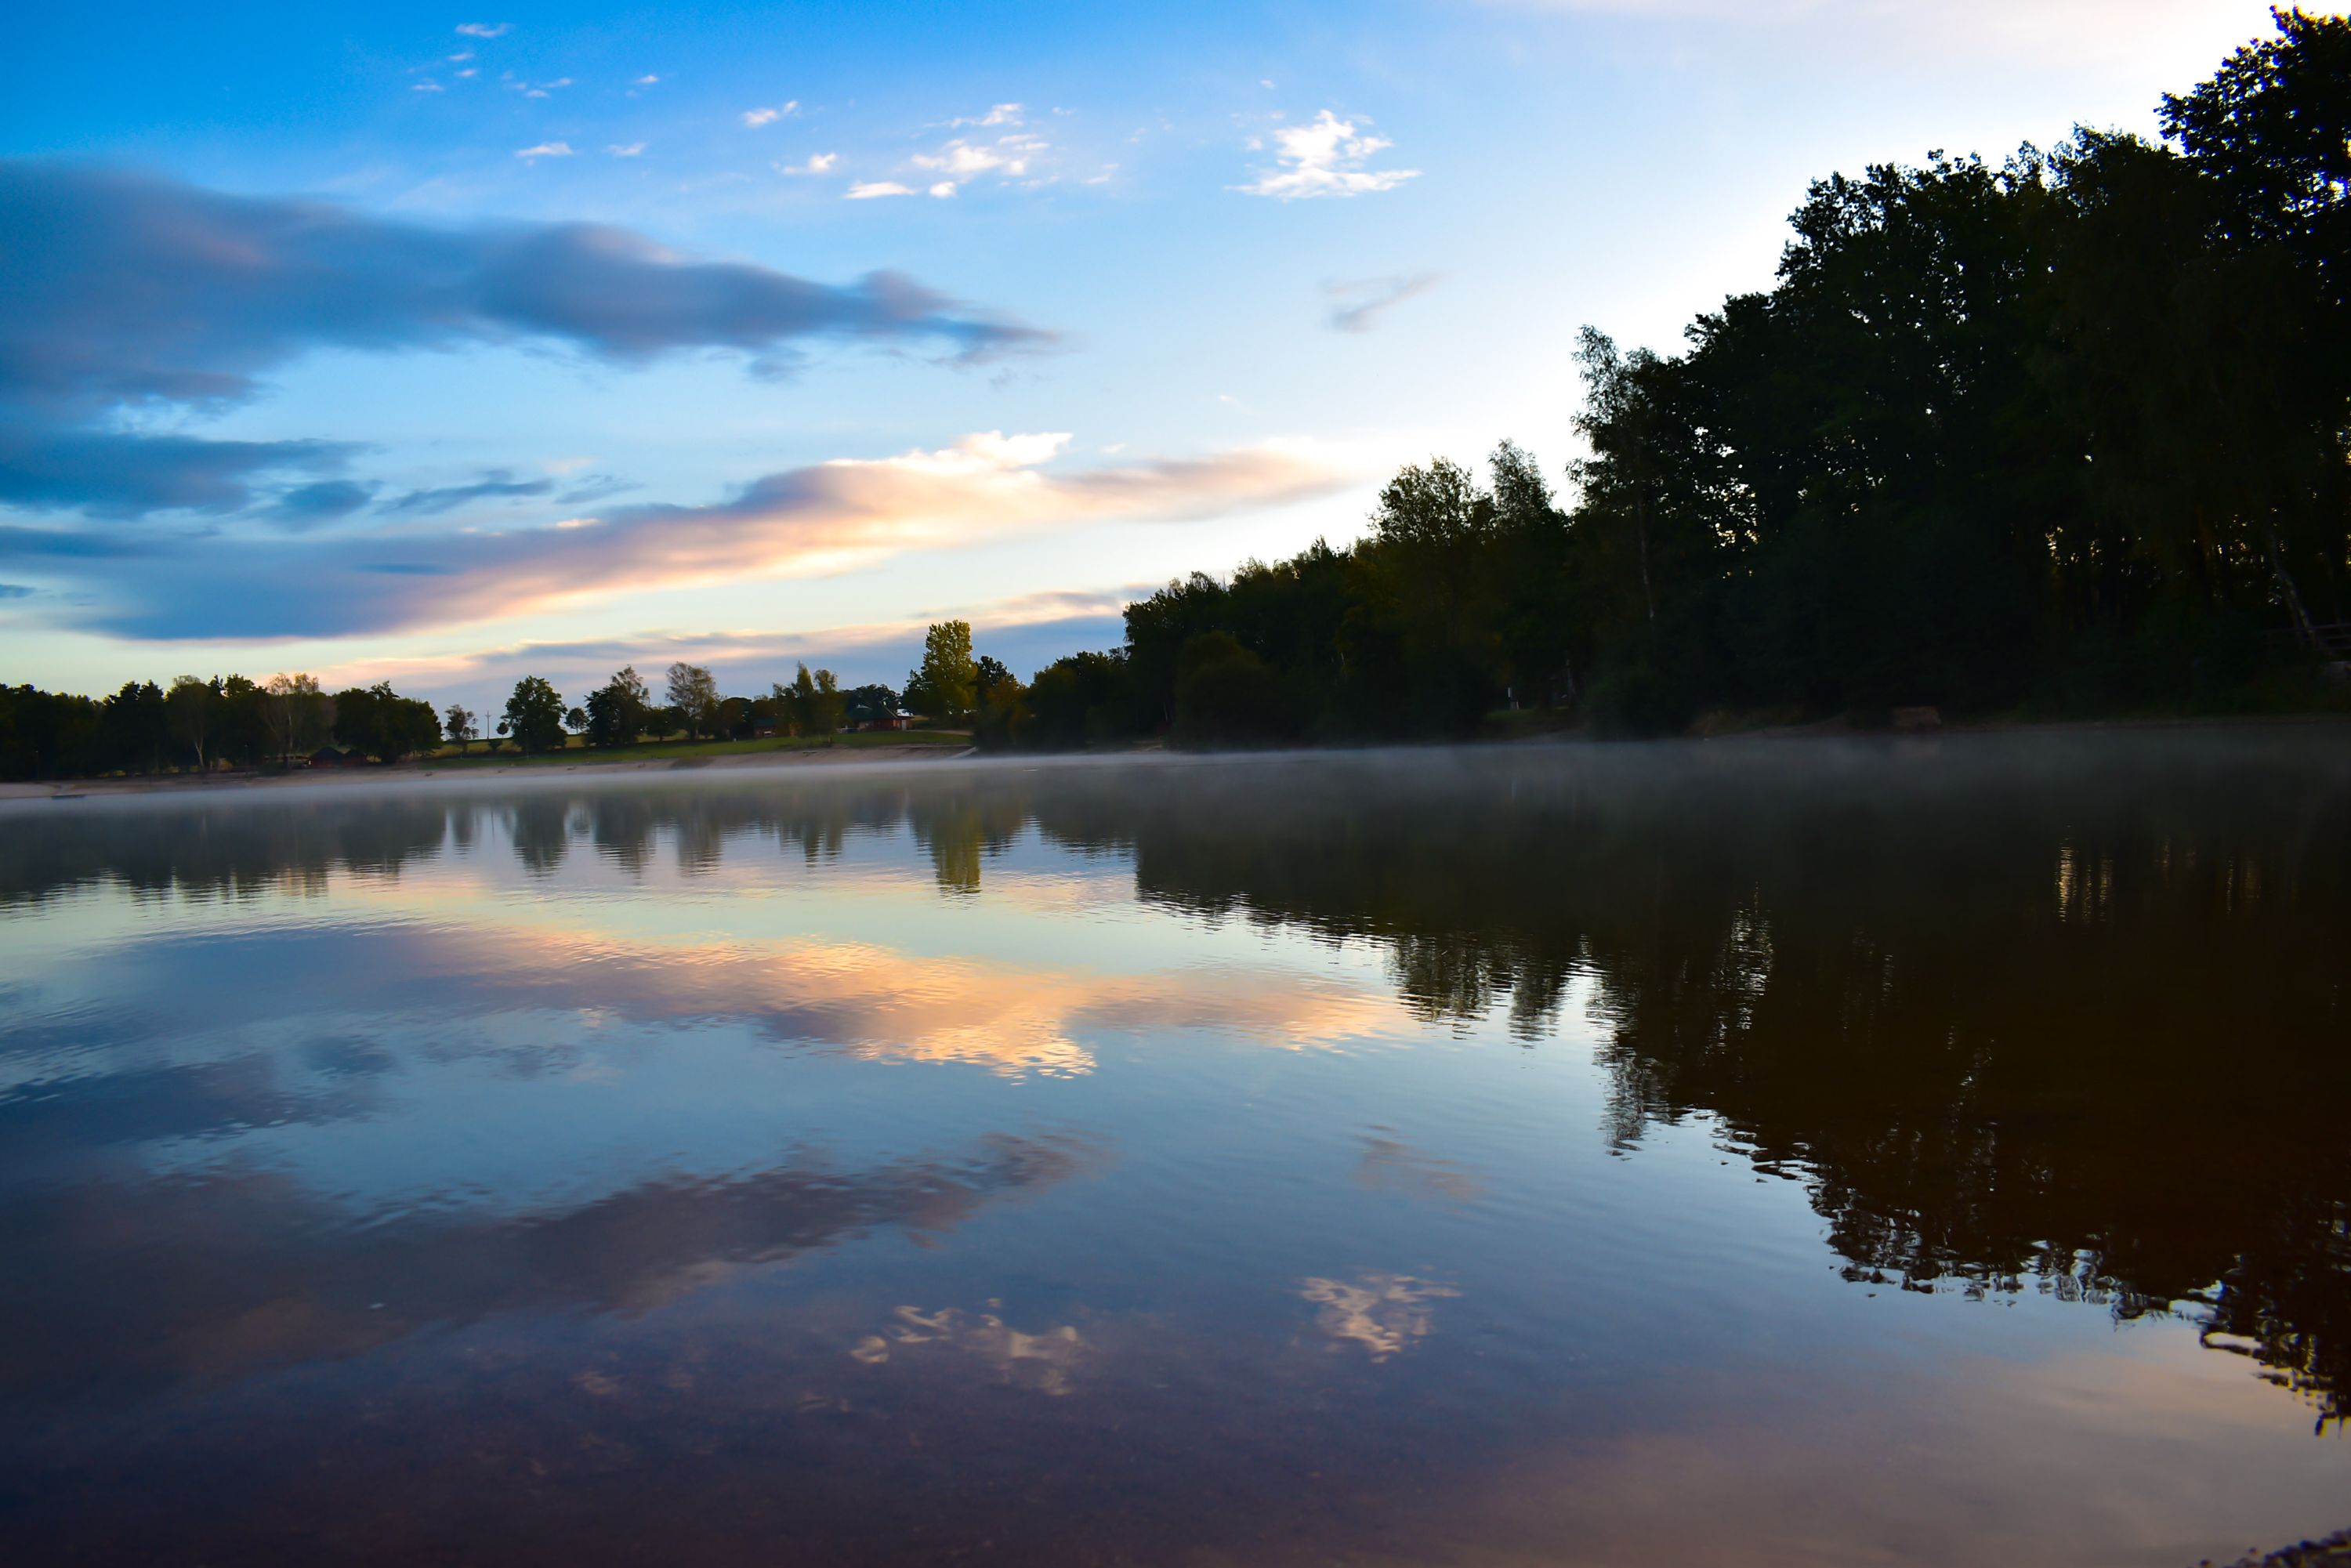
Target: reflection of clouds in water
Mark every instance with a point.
(222, 1275)
(1391, 1164)
(874, 1001)
(1039, 1361)
(1382, 1313)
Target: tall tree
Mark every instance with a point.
(694, 695)
(299, 714)
(950, 675)
(192, 706)
(534, 716)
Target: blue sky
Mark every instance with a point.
(447, 346)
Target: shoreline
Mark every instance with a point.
(399, 773)
(883, 758)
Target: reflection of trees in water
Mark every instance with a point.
(960, 828)
(227, 847)
(2071, 1024)
(2070, 1021)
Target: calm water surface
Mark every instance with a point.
(1762, 1154)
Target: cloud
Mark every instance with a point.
(129, 296)
(14, 590)
(484, 29)
(866, 190)
(646, 80)
(1007, 157)
(1002, 114)
(497, 483)
(625, 149)
(818, 163)
(424, 87)
(323, 501)
(1357, 307)
(48, 466)
(1326, 157)
(547, 149)
(756, 118)
(808, 521)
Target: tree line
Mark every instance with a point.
(200, 725)
(2071, 433)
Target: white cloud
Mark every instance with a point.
(646, 80)
(1007, 157)
(1002, 114)
(756, 118)
(818, 163)
(866, 190)
(461, 56)
(484, 29)
(547, 149)
(424, 87)
(1326, 157)
(629, 150)
(469, 71)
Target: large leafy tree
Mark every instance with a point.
(534, 716)
(949, 677)
(694, 698)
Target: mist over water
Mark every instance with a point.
(1929, 1150)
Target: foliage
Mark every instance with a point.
(384, 725)
(534, 716)
(948, 684)
(694, 698)
(297, 715)
(812, 705)
(2069, 433)
(620, 710)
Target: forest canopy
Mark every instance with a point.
(2067, 432)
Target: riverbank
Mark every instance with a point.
(667, 759)
(732, 757)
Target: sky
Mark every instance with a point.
(450, 347)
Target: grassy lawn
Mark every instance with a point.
(688, 750)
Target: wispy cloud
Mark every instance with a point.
(756, 118)
(866, 190)
(626, 150)
(1002, 114)
(1357, 307)
(496, 484)
(648, 79)
(1326, 157)
(546, 150)
(818, 163)
(808, 521)
(484, 29)
(424, 87)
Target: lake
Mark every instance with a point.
(1777, 1153)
